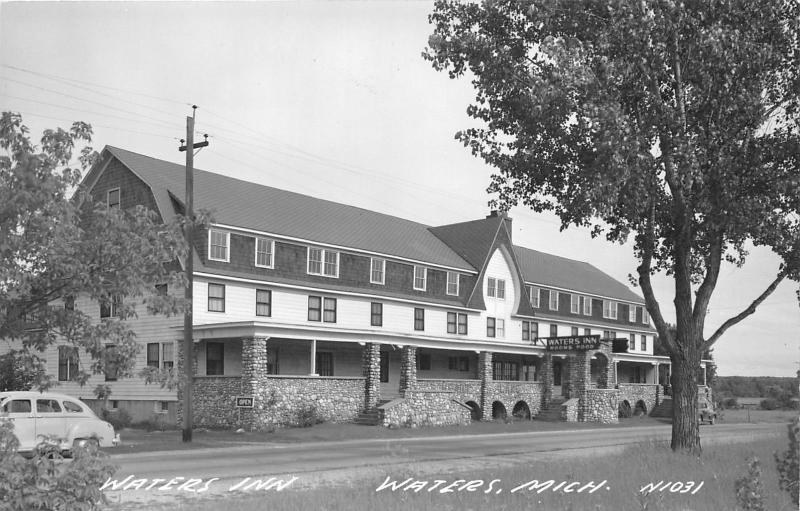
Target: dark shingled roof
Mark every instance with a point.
(263, 208)
(551, 270)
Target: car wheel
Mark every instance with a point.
(90, 444)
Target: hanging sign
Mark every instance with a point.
(572, 343)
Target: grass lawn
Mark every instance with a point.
(626, 473)
(139, 440)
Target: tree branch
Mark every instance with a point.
(746, 312)
(705, 290)
(648, 246)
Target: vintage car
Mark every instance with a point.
(705, 411)
(37, 416)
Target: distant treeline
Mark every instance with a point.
(755, 386)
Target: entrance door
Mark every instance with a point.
(557, 378)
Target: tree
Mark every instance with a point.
(671, 123)
(57, 246)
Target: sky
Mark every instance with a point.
(327, 99)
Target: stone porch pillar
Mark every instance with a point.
(580, 373)
(254, 378)
(547, 379)
(485, 375)
(371, 369)
(408, 370)
(180, 371)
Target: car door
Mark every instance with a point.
(21, 415)
(50, 421)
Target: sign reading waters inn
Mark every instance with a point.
(572, 343)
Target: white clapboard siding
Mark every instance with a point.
(148, 328)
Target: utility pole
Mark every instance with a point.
(188, 324)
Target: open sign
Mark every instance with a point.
(244, 401)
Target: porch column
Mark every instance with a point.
(312, 361)
(655, 370)
(254, 378)
(485, 374)
(408, 370)
(616, 380)
(580, 374)
(547, 379)
(371, 369)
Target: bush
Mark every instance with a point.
(730, 402)
(307, 416)
(43, 482)
(770, 404)
(119, 418)
(750, 489)
(788, 464)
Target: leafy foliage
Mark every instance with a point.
(58, 246)
(750, 489)
(788, 464)
(672, 123)
(43, 482)
(18, 372)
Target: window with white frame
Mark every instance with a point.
(501, 328)
(491, 327)
(496, 288)
(609, 309)
(452, 283)
(263, 302)
(533, 295)
(574, 304)
(219, 245)
(574, 331)
(67, 363)
(216, 297)
(553, 300)
(530, 330)
(377, 271)
(643, 344)
(168, 358)
(323, 262)
(456, 323)
(632, 313)
(420, 277)
(265, 253)
(160, 355)
(645, 316)
(587, 306)
(632, 342)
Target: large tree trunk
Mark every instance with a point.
(685, 426)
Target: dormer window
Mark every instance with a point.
(452, 283)
(420, 278)
(533, 295)
(632, 313)
(377, 270)
(265, 253)
(587, 306)
(219, 245)
(609, 309)
(574, 304)
(553, 300)
(323, 262)
(112, 198)
(645, 316)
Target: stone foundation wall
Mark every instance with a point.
(460, 390)
(511, 392)
(214, 401)
(305, 400)
(419, 409)
(280, 401)
(599, 405)
(569, 410)
(633, 393)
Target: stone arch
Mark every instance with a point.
(641, 408)
(625, 409)
(521, 410)
(475, 410)
(499, 410)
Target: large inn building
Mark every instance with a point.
(323, 311)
